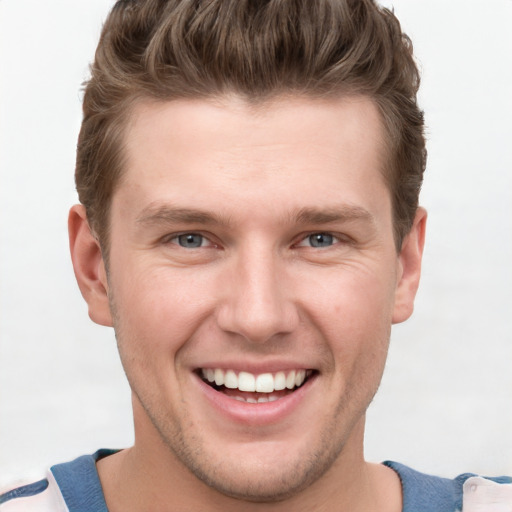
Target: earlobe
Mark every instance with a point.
(410, 268)
(89, 266)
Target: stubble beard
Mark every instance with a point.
(277, 483)
(256, 483)
(253, 483)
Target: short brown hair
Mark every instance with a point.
(258, 49)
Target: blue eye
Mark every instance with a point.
(321, 240)
(190, 240)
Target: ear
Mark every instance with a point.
(89, 266)
(409, 270)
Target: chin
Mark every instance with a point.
(267, 486)
(264, 473)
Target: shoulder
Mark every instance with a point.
(69, 487)
(427, 493)
(41, 496)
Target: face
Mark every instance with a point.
(253, 279)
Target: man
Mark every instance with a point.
(249, 175)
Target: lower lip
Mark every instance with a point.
(259, 414)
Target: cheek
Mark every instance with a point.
(156, 310)
(352, 300)
(353, 312)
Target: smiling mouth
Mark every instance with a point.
(251, 388)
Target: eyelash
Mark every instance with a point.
(302, 241)
(320, 235)
(174, 239)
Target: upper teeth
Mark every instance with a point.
(262, 383)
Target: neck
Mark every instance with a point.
(150, 473)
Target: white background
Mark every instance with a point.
(445, 403)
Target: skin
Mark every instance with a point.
(255, 184)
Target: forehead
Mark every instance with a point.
(232, 120)
(294, 151)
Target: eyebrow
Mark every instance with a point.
(167, 214)
(334, 214)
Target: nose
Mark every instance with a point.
(257, 302)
